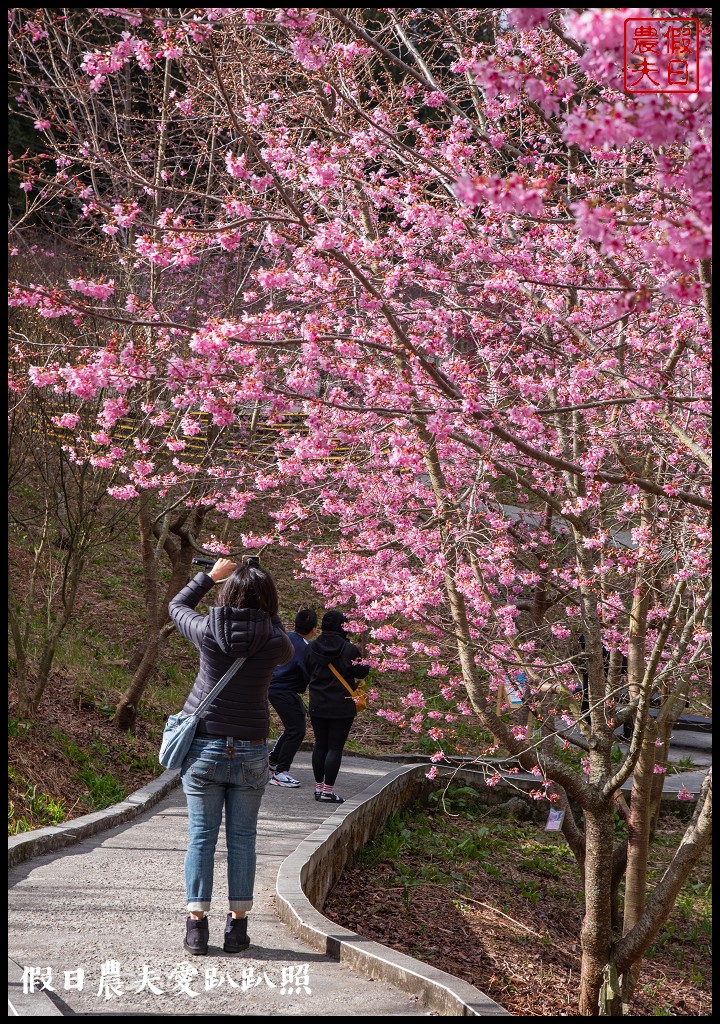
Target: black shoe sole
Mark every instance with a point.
(195, 952)
(237, 949)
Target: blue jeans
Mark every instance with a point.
(219, 773)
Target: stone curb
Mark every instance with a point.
(54, 837)
(308, 874)
(46, 840)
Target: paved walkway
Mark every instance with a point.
(113, 906)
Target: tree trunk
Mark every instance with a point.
(596, 932)
(596, 936)
(133, 662)
(29, 699)
(619, 865)
(20, 612)
(631, 947)
(638, 844)
(21, 661)
(44, 666)
(174, 539)
(126, 712)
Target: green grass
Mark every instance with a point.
(69, 748)
(683, 764)
(17, 727)
(444, 844)
(455, 836)
(40, 808)
(175, 677)
(103, 790)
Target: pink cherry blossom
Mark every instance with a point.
(68, 419)
(95, 289)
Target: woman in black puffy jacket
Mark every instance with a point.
(332, 708)
(227, 766)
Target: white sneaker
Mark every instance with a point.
(283, 779)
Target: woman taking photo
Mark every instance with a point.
(227, 766)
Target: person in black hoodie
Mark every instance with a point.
(227, 765)
(332, 708)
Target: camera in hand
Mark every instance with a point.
(204, 563)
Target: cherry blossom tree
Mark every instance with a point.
(64, 214)
(473, 263)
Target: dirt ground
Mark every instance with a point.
(513, 932)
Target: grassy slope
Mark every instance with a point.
(498, 902)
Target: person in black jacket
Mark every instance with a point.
(332, 708)
(227, 765)
(286, 685)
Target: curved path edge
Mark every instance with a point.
(55, 837)
(308, 874)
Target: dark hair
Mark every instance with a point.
(332, 622)
(305, 621)
(250, 587)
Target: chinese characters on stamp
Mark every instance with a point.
(662, 55)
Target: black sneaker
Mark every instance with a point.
(196, 936)
(236, 936)
(331, 798)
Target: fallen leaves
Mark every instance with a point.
(525, 956)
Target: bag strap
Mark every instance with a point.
(218, 688)
(338, 676)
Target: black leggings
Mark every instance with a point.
(330, 736)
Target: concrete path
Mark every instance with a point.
(113, 907)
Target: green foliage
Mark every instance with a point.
(103, 790)
(176, 676)
(458, 800)
(40, 808)
(530, 890)
(684, 764)
(570, 756)
(446, 844)
(137, 757)
(96, 665)
(17, 727)
(69, 748)
(694, 908)
(697, 977)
